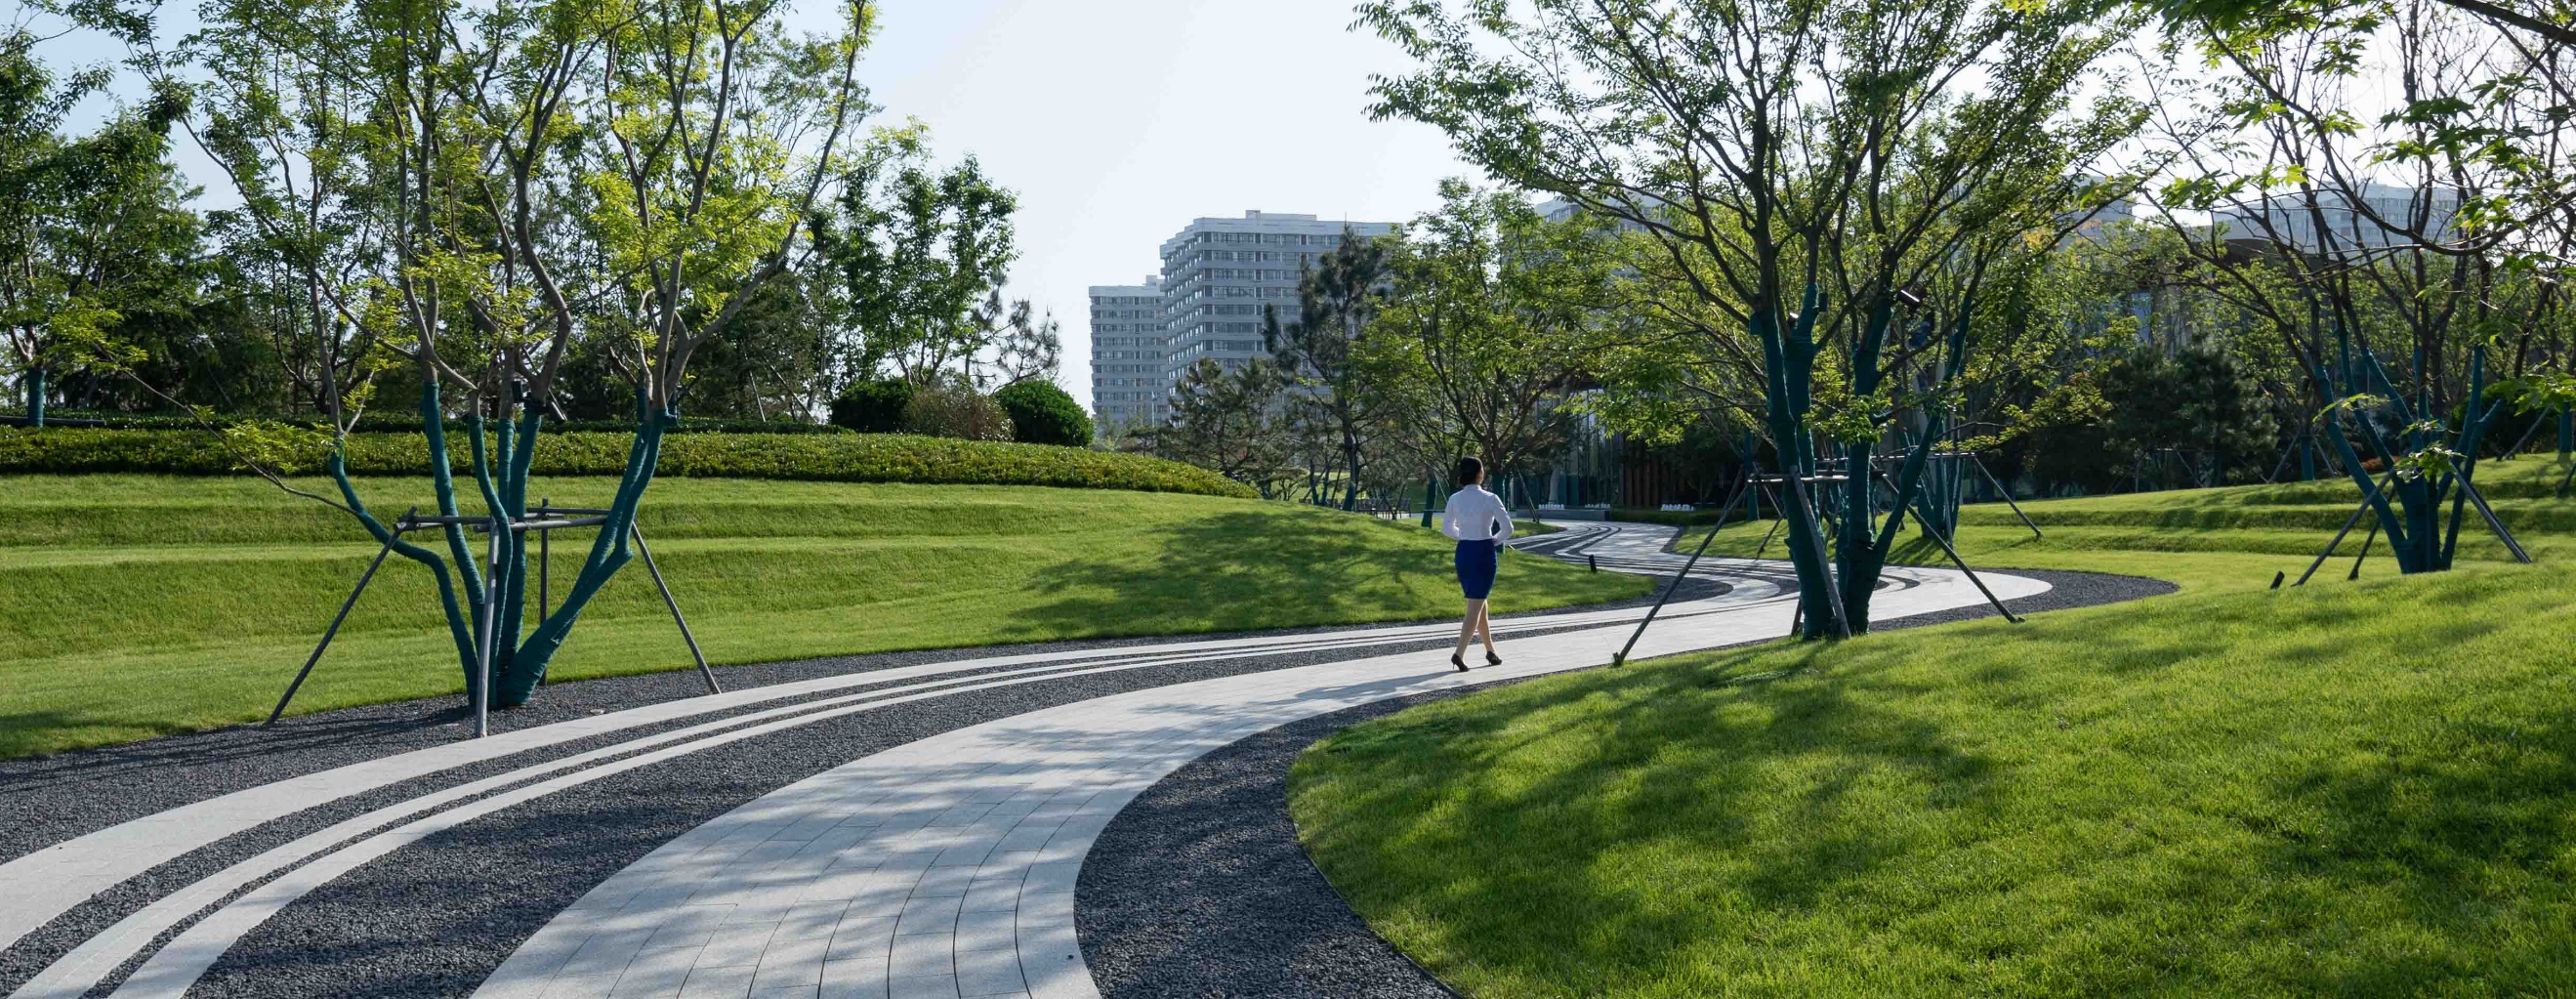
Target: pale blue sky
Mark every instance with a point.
(1119, 122)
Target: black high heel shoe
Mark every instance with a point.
(1491, 659)
(1458, 659)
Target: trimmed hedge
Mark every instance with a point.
(65, 419)
(841, 457)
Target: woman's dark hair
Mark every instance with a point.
(1471, 470)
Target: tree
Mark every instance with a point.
(2199, 400)
(2401, 231)
(1494, 314)
(89, 226)
(915, 251)
(1769, 154)
(1336, 299)
(1225, 421)
(473, 194)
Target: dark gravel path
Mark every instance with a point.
(48, 799)
(1199, 887)
(378, 932)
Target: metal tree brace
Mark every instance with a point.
(543, 519)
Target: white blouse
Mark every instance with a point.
(1476, 515)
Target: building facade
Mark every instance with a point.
(1217, 275)
(2328, 224)
(1126, 354)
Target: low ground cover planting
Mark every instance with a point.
(2348, 789)
(139, 605)
(821, 457)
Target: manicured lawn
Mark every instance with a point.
(2221, 538)
(2357, 789)
(140, 605)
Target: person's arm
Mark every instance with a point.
(1449, 518)
(1502, 521)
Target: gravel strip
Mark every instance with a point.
(1200, 888)
(435, 918)
(48, 799)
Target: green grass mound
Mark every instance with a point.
(2363, 790)
(2234, 537)
(142, 605)
(824, 457)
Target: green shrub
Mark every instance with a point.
(841, 457)
(397, 423)
(1041, 413)
(875, 406)
(955, 411)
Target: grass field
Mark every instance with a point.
(2220, 538)
(137, 605)
(2351, 789)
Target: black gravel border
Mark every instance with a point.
(1200, 887)
(436, 917)
(49, 799)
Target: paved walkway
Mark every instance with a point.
(945, 868)
(942, 867)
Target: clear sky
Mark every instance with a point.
(1118, 123)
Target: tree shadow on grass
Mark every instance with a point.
(2309, 834)
(1242, 570)
(1614, 797)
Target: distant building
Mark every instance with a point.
(2097, 226)
(1126, 354)
(1218, 273)
(2332, 226)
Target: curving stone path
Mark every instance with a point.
(942, 866)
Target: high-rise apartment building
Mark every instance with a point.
(1126, 354)
(1217, 274)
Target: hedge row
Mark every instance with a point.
(816, 457)
(66, 419)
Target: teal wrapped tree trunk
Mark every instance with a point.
(2429, 486)
(1838, 562)
(468, 589)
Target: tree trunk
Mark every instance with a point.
(1788, 364)
(609, 552)
(1351, 463)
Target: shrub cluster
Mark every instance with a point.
(837, 457)
(1041, 413)
(955, 411)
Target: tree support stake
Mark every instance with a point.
(710, 675)
(1741, 488)
(333, 630)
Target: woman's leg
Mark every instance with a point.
(1467, 628)
(1484, 625)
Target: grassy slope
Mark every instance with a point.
(2221, 538)
(141, 605)
(2343, 789)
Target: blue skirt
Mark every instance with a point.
(1477, 561)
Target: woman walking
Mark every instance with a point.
(1480, 524)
